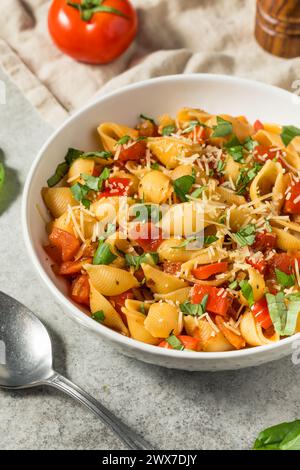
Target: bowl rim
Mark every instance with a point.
(70, 307)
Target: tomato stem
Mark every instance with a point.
(88, 8)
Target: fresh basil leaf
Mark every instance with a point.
(237, 153)
(155, 166)
(195, 310)
(245, 236)
(86, 203)
(124, 140)
(191, 126)
(285, 280)
(220, 167)
(61, 171)
(233, 142)
(210, 239)
(99, 316)
(233, 285)
(288, 134)
(175, 343)
(183, 185)
(72, 155)
(292, 315)
(151, 211)
(102, 154)
(284, 436)
(103, 254)
(146, 118)
(250, 144)
(247, 292)
(136, 261)
(223, 128)
(92, 182)
(278, 311)
(2, 175)
(167, 130)
(198, 192)
(246, 175)
(79, 191)
(142, 308)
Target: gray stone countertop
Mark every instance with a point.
(173, 409)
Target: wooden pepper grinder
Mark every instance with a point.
(278, 27)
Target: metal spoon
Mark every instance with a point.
(26, 361)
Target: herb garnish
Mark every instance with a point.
(223, 128)
(146, 118)
(245, 236)
(285, 280)
(175, 343)
(247, 292)
(136, 261)
(99, 316)
(183, 185)
(124, 140)
(288, 134)
(196, 310)
(168, 130)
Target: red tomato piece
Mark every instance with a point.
(80, 290)
(148, 236)
(258, 125)
(261, 313)
(260, 265)
(204, 272)
(54, 253)
(261, 154)
(148, 129)
(292, 201)
(199, 133)
(118, 302)
(264, 241)
(65, 242)
(69, 268)
(134, 151)
(115, 187)
(98, 40)
(188, 342)
(218, 298)
(283, 262)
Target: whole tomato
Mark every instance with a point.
(93, 31)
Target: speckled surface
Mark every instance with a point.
(173, 409)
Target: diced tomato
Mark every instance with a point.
(65, 242)
(260, 265)
(236, 340)
(96, 171)
(54, 253)
(261, 154)
(199, 132)
(204, 272)
(283, 262)
(148, 236)
(261, 313)
(135, 151)
(118, 302)
(258, 125)
(115, 187)
(292, 203)
(148, 129)
(80, 290)
(171, 267)
(219, 299)
(264, 241)
(188, 342)
(69, 268)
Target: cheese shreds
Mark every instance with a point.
(297, 271)
(76, 226)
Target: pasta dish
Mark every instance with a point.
(182, 232)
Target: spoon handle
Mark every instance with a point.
(127, 435)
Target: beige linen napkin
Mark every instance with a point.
(175, 36)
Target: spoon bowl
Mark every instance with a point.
(26, 361)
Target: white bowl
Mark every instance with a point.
(214, 93)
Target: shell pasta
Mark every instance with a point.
(182, 232)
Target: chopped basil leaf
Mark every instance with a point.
(210, 239)
(250, 144)
(234, 141)
(183, 185)
(195, 310)
(233, 285)
(220, 167)
(246, 175)
(92, 182)
(2, 175)
(103, 254)
(175, 343)
(223, 128)
(146, 118)
(61, 171)
(72, 155)
(86, 203)
(289, 133)
(154, 166)
(150, 211)
(124, 140)
(185, 242)
(247, 292)
(98, 316)
(292, 314)
(110, 230)
(136, 261)
(245, 236)
(285, 280)
(79, 191)
(237, 153)
(142, 308)
(191, 126)
(284, 436)
(102, 154)
(277, 311)
(198, 191)
(167, 130)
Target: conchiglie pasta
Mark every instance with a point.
(111, 132)
(257, 283)
(272, 139)
(207, 256)
(160, 282)
(169, 250)
(162, 319)
(112, 319)
(252, 332)
(109, 280)
(168, 149)
(185, 115)
(58, 199)
(137, 328)
(78, 167)
(179, 295)
(269, 180)
(286, 241)
(229, 196)
(210, 339)
(232, 169)
(182, 170)
(76, 222)
(155, 187)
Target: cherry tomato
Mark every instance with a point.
(218, 298)
(204, 272)
(258, 125)
(283, 262)
(135, 151)
(261, 153)
(148, 236)
(261, 313)
(80, 290)
(260, 265)
(97, 40)
(147, 129)
(188, 342)
(115, 187)
(264, 241)
(69, 268)
(292, 202)
(65, 242)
